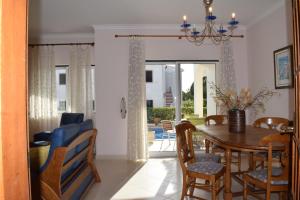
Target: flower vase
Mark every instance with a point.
(236, 121)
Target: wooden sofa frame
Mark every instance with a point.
(50, 178)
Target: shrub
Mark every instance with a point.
(164, 113)
(187, 110)
(187, 107)
(149, 115)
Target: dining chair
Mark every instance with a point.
(220, 120)
(270, 179)
(276, 123)
(209, 171)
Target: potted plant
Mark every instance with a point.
(235, 104)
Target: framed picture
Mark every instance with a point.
(283, 72)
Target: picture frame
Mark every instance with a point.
(283, 67)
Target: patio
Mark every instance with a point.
(161, 141)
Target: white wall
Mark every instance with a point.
(111, 57)
(270, 33)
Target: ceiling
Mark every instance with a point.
(78, 16)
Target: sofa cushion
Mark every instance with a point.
(86, 125)
(61, 137)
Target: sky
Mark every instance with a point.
(187, 78)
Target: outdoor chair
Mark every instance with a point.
(168, 129)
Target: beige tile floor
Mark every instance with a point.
(162, 145)
(157, 179)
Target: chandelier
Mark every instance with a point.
(215, 34)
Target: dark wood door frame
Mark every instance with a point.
(295, 182)
(14, 173)
(14, 181)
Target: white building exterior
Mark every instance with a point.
(201, 71)
(164, 80)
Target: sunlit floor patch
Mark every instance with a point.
(155, 180)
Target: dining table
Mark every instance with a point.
(249, 141)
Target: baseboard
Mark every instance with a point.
(111, 157)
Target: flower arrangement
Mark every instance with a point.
(230, 100)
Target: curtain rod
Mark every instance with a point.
(171, 36)
(61, 44)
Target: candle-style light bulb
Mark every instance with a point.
(194, 28)
(184, 18)
(233, 16)
(210, 10)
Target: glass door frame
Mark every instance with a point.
(178, 92)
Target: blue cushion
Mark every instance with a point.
(86, 125)
(209, 168)
(85, 183)
(71, 118)
(204, 157)
(263, 173)
(65, 187)
(275, 154)
(72, 168)
(61, 137)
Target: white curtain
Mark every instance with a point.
(226, 74)
(226, 79)
(42, 89)
(79, 84)
(137, 127)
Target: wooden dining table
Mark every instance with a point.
(244, 142)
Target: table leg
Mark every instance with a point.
(207, 143)
(227, 192)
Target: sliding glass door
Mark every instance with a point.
(176, 91)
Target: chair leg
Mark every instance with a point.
(268, 194)
(214, 191)
(282, 195)
(239, 161)
(245, 190)
(218, 184)
(184, 188)
(192, 182)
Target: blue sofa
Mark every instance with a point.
(66, 118)
(69, 170)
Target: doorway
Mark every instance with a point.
(175, 91)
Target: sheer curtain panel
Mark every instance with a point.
(42, 89)
(79, 84)
(137, 127)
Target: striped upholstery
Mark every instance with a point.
(204, 157)
(275, 154)
(263, 173)
(208, 168)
